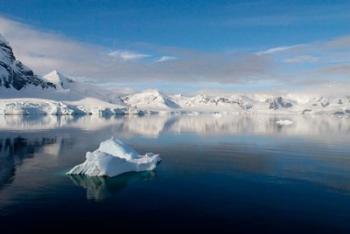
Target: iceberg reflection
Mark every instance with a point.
(99, 188)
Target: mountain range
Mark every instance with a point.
(24, 92)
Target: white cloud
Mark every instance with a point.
(165, 59)
(278, 49)
(44, 52)
(302, 59)
(128, 55)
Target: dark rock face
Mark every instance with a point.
(13, 74)
(305, 111)
(278, 103)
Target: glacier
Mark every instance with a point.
(114, 157)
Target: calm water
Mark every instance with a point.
(236, 174)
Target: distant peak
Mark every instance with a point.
(54, 73)
(58, 79)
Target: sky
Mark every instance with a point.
(185, 45)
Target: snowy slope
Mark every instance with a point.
(86, 97)
(68, 98)
(150, 100)
(24, 93)
(78, 90)
(205, 103)
(60, 81)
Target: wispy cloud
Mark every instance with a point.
(44, 52)
(165, 59)
(127, 55)
(306, 64)
(278, 49)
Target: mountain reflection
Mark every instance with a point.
(154, 126)
(33, 146)
(14, 150)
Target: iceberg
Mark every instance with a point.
(114, 157)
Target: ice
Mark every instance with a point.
(119, 149)
(112, 158)
(284, 122)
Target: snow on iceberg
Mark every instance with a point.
(284, 122)
(112, 158)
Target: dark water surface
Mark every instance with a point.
(235, 174)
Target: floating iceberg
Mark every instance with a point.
(112, 158)
(285, 122)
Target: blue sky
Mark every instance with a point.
(199, 24)
(224, 34)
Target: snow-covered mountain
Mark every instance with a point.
(278, 103)
(65, 97)
(238, 104)
(205, 103)
(74, 90)
(151, 100)
(60, 81)
(23, 92)
(14, 74)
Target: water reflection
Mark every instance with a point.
(254, 144)
(99, 188)
(154, 126)
(242, 169)
(14, 150)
